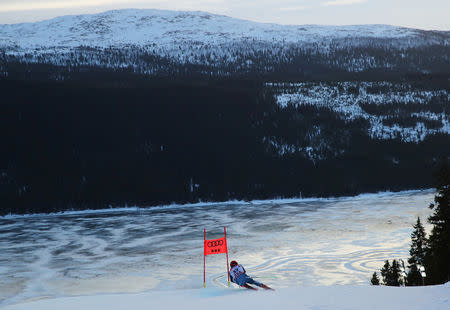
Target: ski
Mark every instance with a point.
(267, 287)
(249, 287)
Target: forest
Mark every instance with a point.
(108, 138)
(375, 60)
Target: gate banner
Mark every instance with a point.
(215, 246)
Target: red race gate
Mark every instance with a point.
(214, 246)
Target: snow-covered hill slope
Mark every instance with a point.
(169, 29)
(155, 42)
(411, 114)
(302, 298)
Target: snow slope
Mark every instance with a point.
(284, 243)
(301, 298)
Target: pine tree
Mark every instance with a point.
(375, 280)
(418, 244)
(437, 257)
(391, 274)
(385, 272)
(417, 254)
(395, 274)
(414, 278)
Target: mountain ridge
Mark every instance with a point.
(118, 28)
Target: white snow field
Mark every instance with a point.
(316, 253)
(300, 298)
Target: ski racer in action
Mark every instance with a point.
(239, 276)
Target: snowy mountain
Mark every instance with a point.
(200, 38)
(171, 28)
(198, 44)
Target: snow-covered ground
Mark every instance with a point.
(149, 257)
(301, 298)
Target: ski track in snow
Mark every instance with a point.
(282, 243)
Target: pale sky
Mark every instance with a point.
(429, 14)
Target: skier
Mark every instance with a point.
(239, 276)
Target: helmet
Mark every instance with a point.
(233, 263)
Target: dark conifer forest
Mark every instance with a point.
(96, 137)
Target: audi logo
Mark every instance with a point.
(215, 243)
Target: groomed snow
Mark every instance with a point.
(157, 252)
(221, 203)
(300, 298)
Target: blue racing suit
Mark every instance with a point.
(238, 275)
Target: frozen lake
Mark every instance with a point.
(282, 243)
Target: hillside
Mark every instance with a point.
(153, 41)
(152, 107)
(169, 29)
(106, 141)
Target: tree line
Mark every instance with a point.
(273, 61)
(429, 256)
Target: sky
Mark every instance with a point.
(430, 14)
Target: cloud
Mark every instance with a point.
(342, 2)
